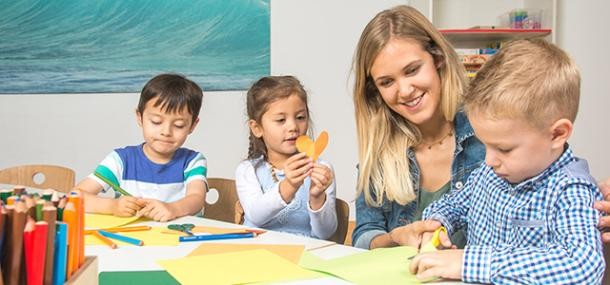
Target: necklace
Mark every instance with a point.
(273, 174)
(440, 141)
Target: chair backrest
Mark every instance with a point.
(39, 176)
(224, 208)
(342, 221)
(239, 213)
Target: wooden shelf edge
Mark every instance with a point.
(495, 31)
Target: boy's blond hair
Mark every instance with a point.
(527, 79)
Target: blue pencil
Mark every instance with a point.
(217, 236)
(122, 238)
(60, 260)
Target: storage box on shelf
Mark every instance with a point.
(480, 24)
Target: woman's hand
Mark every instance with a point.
(604, 206)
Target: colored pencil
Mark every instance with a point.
(106, 240)
(77, 199)
(28, 247)
(4, 194)
(122, 238)
(3, 217)
(71, 219)
(217, 236)
(47, 194)
(7, 245)
(39, 206)
(18, 190)
(17, 225)
(122, 229)
(35, 244)
(49, 215)
(60, 260)
(112, 184)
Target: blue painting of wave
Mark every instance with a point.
(67, 46)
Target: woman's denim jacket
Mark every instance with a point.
(373, 221)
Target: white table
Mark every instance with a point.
(135, 258)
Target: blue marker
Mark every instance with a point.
(122, 238)
(217, 236)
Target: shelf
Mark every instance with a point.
(458, 35)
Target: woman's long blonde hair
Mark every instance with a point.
(383, 135)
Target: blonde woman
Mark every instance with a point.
(415, 144)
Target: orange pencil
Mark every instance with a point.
(70, 217)
(124, 229)
(81, 234)
(77, 199)
(129, 229)
(106, 240)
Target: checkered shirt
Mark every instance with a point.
(540, 231)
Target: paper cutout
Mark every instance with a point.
(312, 149)
(99, 221)
(388, 264)
(291, 253)
(233, 268)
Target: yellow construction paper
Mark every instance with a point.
(98, 221)
(233, 268)
(154, 236)
(290, 252)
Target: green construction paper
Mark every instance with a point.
(386, 265)
(137, 277)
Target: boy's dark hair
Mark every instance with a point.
(174, 92)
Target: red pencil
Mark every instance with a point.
(40, 250)
(34, 245)
(28, 248)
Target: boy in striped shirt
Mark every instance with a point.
(162, 180)
(528, 210)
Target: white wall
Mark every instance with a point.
(313, 40)
(583, 33)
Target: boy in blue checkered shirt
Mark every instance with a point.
(528, 210)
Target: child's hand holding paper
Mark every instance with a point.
(126, 206)
(321, 175)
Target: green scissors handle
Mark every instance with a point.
(185, 228)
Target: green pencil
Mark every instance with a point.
(114, 186)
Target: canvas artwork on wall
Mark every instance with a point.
(66, 46)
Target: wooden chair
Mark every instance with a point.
(342, 221)
(39, 176)
(224, 208)
(239, 213)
